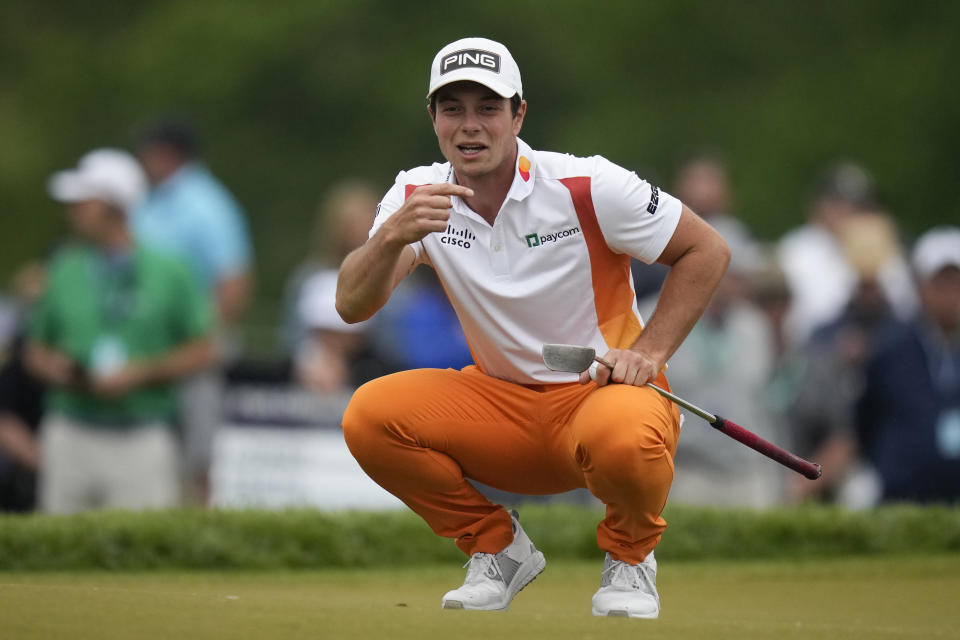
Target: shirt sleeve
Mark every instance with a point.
(226, 237)
(10, 376)
(41, 324)
(635, 217)
(193, 313)
(391, 202)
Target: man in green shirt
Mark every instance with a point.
(116, 327)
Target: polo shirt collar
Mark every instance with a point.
(179, 176)
(523, 176)
(524, 172)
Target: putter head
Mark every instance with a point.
(567, 357)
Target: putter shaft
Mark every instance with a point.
(692, 408)
(806, 468)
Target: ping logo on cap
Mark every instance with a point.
(470, 58)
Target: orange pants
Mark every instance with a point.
(419, 434)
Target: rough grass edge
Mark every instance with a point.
(310, 539)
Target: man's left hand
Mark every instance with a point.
(629, 367)
(131, 377)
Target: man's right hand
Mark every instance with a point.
(53, 367)
(426, 211)
(369, 274)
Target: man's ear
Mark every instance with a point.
(518, 119)
(433, 118)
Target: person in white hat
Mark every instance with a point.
(531, 247)
(116, 326)
(909, 413)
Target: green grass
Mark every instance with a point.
(870, 597)
(312, 539)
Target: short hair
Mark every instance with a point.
(515, 102)
(848, 182)
(703, 157)
(175, 133)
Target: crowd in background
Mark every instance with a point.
(840, 341)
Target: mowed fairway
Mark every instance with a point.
(889, 597)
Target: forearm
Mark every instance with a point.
(233, 293)
(18, 442)
(836, 455)
(686, 292)
(50, 366)
(182, 361)
(369, 274)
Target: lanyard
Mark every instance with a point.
(943, 362)
(115, 286)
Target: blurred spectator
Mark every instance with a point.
(771, 293)
(115, 327)
(806, 395)
(909, 412)
(189, 214)
(818, 272)
(343, 220)
(26, 286)
(330, 355)
(21, 401)
(725, 364)
(335, 356)
(821, 416)
(418, 329)
(703, 184)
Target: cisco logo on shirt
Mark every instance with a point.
(471, 58)
(536, 240)
(457, 237)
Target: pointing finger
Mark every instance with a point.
(438, 202)
(447, 189)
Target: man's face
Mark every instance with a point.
(703, 187)
(941, 298)
(159, 162)
(476, 128)
(88, 219)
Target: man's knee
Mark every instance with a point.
(364, 421)
(626, 452)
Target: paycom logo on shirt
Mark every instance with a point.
(536, 239)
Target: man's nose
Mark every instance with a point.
(471, 122)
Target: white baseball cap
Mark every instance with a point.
(477, 60)
(111, 175)
(935, 250)
(317, 306)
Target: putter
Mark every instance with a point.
(576, 359)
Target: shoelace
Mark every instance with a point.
(478, 566)
(632, 577)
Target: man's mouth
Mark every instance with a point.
(471, 148)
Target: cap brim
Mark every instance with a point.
(317, 306)
(470, 75)
(933, 265)
(70, 186)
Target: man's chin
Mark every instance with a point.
(471, 169)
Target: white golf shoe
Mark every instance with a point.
(494, 579)
(628, 590)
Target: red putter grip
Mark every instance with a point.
(805, 468)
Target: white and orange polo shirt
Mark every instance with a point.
(555, 265)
